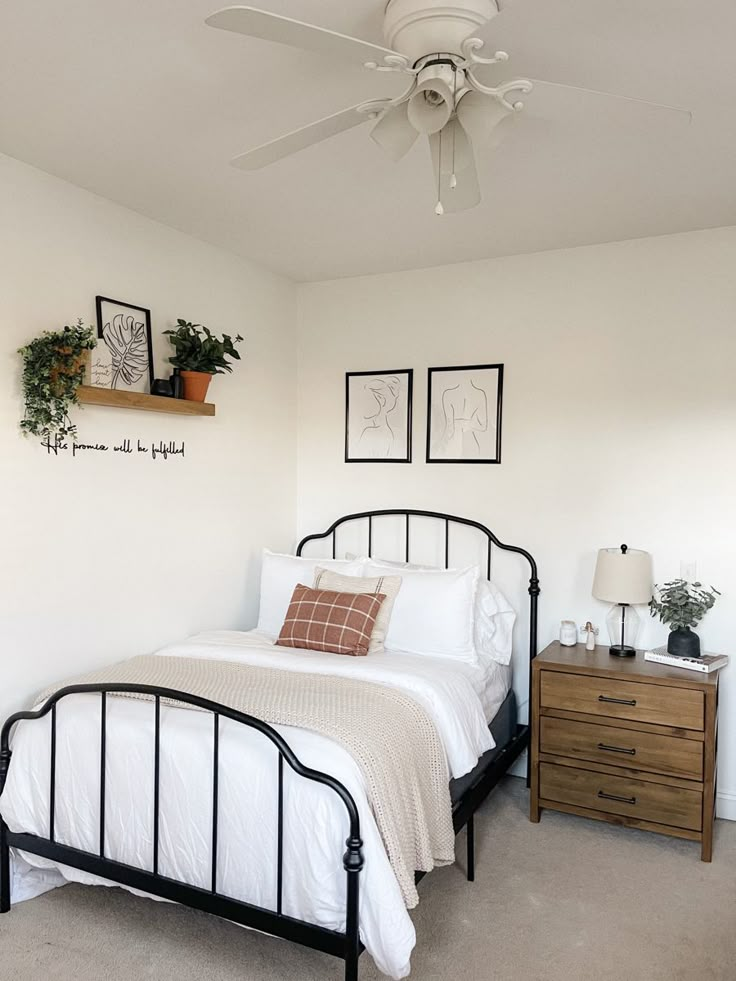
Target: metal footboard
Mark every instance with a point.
(343, 945)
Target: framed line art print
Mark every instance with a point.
(123, 357)
(464, 414)
(378, 407)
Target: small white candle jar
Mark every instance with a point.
(568, 633)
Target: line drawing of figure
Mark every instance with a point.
(464, 414)
(377, 439)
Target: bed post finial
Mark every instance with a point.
(352, 860)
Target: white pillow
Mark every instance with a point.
(494, 623)
(280, 574)
(433, 612)
(388, 585)
(494, 617)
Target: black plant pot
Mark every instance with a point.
(683, 642)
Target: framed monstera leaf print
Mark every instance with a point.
(123, 358)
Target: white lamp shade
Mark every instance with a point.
(480, 117)
(430, 116)
(623, 577)
(394, 133)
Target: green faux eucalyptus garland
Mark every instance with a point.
(53, 370)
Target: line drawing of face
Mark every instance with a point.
(383, 392)
(386, 393)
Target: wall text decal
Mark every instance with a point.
(161, 450)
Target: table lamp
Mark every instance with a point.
(623, 576)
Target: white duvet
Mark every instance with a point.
(315, 825)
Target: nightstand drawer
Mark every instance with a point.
(622, 747)
(621, 795)
(659, 704)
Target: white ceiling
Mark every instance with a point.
(142, 103)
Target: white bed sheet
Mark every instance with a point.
(456, 697)
(491, 682)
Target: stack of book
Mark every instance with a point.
(706, 663)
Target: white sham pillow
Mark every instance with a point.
(433, 612)
(388, 585)
(494, 617)
(280, 574)
(494, 623)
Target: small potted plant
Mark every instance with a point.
(199, 354)
(682, 605)
(54, 365)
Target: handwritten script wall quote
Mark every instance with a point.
(154, 451)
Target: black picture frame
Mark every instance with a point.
(404, 401)
(492, 389)
(98, 380)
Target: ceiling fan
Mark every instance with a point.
(439, 45)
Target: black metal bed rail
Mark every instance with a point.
(345, 945)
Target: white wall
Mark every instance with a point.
(619, 425)
(619, 416)
(104, 557)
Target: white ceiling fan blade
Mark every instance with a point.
(455, 173)
(686, 114)
(300, 139)
(284, 30)
(394, 133)
(527, 30)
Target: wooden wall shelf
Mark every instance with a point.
(88, 395)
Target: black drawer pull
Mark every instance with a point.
(617, 749)
(624, 800)
(617, 701)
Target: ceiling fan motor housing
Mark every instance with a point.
(416, 28)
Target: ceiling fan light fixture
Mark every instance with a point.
(394, 133)
(480, 116)
(432, 103)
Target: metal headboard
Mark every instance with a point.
(448, 519)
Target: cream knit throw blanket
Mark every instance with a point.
(388, 734)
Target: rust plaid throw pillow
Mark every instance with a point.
(324, 620)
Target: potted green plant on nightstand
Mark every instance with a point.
(54, 366)
(199, 355)
(682, 605)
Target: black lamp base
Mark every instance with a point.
(622, 650)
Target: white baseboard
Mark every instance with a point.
(725, 799)
(726, 805)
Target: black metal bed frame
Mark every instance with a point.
(342, 944)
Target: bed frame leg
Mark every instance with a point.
(4, 848)
(353, 862)
(351, 968)
(4, 870)
(471, 848)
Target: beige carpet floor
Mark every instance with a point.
(565, 900)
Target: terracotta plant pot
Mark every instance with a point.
(196, 384)
(56, 382)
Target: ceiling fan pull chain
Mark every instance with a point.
(439, 210)
(453, 176)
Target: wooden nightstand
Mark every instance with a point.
(626, 741)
